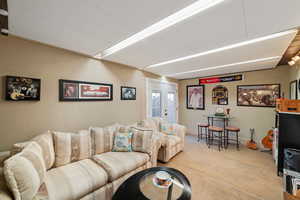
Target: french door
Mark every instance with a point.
(162, 100)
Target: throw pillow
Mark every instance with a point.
(70, 147)
(142, 140)
(25, 172)
(167, 128)
(102, 139)
(123, 142)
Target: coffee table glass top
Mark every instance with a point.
(152, 191)
(141, 186)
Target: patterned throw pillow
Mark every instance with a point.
(167, 128)
(123, 142)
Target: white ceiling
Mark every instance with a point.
(89, 27)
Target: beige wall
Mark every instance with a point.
(20, 121)
(262, 119)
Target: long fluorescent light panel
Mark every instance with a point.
(228, 65)
(276, 35)
(167, 22)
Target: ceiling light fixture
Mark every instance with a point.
(229, 65)
(3, 12)
(291, 63)
(165, 23)
(276, 35)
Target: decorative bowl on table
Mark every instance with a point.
(162, 179)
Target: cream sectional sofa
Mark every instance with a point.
(82, 166)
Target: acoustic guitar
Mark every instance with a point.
(267, 141)
(251, 144)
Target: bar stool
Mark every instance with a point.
(200, 131)
(211, 135)
(235, 130)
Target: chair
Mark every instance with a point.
(200, 131)
(235, 130)
(219, 135)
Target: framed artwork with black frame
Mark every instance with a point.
(70, 90)
(293, 90)
(263, 95)
(22, 89)
(195, 97)
(128, 93)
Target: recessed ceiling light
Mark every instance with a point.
(3, 12)
(228, 65)
(167, 22)
(276, 35)
(291, 63)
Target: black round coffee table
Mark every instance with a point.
(141, 187)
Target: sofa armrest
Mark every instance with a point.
(4, 191)
(155, 148)
(180, 131)
(3, 156)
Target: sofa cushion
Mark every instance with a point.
(75, 180)
(172, 140)
(25, 172)
(142, 140)
(102, 139)
(45, 140)
(116, 164)
(167, 128)
(123, 142)
(70, 147)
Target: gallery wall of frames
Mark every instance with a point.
(19, 88)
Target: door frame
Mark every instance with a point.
(150, 81)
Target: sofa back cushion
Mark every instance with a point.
(71, 147)
(25, 172)
(152, 123)
(45, 141)
(142, 140)
(102, 139)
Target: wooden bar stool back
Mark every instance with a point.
(215, 132)
(235, 130)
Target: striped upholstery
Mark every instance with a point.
(104, 193)
(102, 139)
(25, 172)
(142, 141)
(45, 140)
(74, 181)
(70, 147)
(116, 164)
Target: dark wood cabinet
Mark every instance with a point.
(289, 135)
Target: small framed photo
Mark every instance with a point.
(195, 97)
(128, 93)
(22, 89)
(70, 90)
(293, 90)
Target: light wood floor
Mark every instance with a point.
(229, 174)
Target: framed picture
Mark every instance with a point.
(220, 95)
(128, 93)
(264, 95)
(70, 90)
(293, 90)
(22, 89)
(195, 95)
